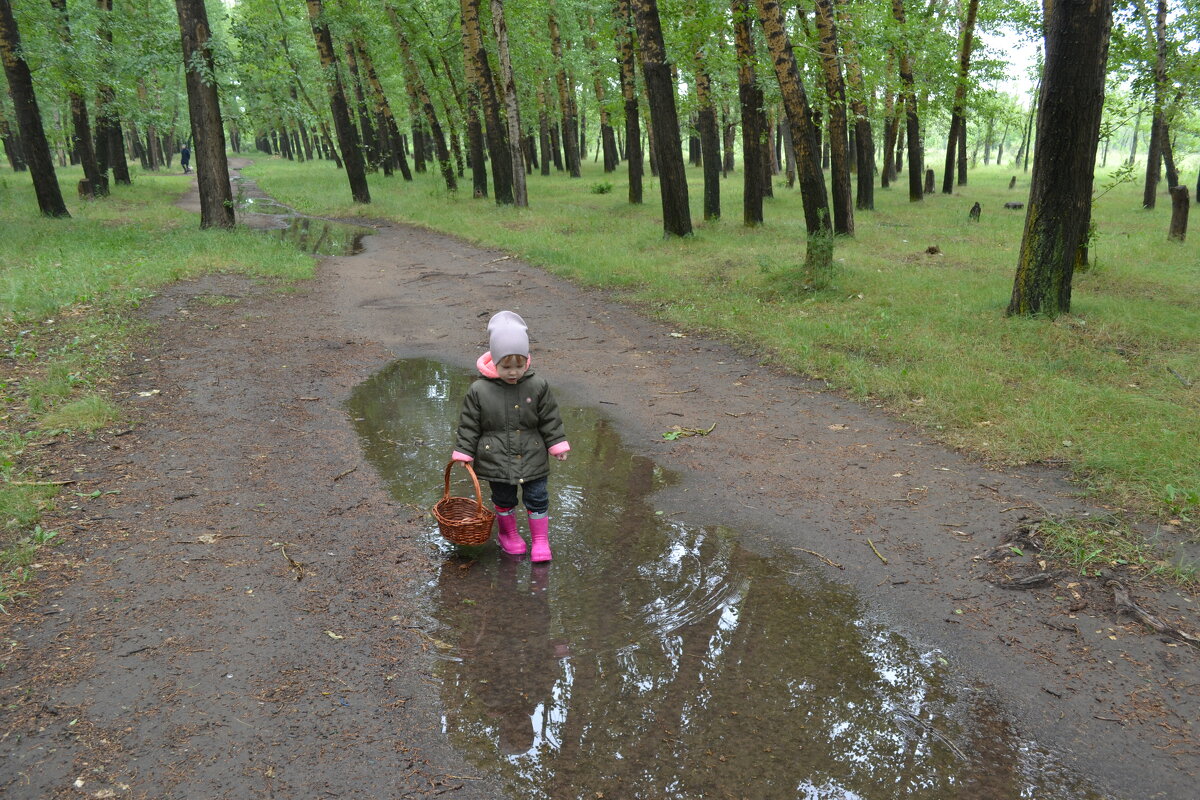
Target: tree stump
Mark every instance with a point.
(1012, 183)
(929, 181)
(1179, 213)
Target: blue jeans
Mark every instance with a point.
(535, 494)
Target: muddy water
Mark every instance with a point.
(313, 235)
(656, 659)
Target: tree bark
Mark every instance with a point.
(512, 106)
(96, 180)
(204, 108)
(710, 138)
(959, 111)
(497, 139)
(1060, 194)
(891, 127)
(819, 254)
(864, 135)
(916, 156)
(625, 33)
(664, 120)
(835, 90)
(543, 128)
(1159, 147)
(566, 95)
(12, 144)
(1179, 213)
(29, 118)
(608, 139)
(475, 141)
(367, 133)
(384, 109)
(356, 171)
(417, 86)
(109, 139)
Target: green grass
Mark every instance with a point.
(1093, 545)
(924, 336)
(68, 288)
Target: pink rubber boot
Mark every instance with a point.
(506, 532)
(539, 536)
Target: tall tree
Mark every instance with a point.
(835, 90)
(1158, 149)
(96, 182)
(383, 110)
(109, 137)
(204, 108)
(819, 254)
(1060, 194)
(706, 123)
(566, 95)
(608, 139)
(626, 34)
(512, 104)
(864, 136)
(497, 138)
(664, 119)
(475, 142)
(958, 115)
(416, 85)
(750, 102)
(916, 165)
(356, 170)
(29, 118)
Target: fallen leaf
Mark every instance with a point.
(150, 393)
(333, 635)
(839, 427)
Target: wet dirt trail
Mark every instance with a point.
(250, 608)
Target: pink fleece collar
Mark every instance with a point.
(487, 369)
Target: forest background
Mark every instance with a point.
(531, 127)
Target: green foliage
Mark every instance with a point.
(1093, 545)
(601, 187)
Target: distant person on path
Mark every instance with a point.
(185, 157)
(509, 426)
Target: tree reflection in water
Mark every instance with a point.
(657, 659)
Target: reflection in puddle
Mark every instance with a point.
(656, 659)
(318, 237)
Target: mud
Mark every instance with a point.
(243, 610)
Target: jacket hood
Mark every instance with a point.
(487, 368)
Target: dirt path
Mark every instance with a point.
(174, 650)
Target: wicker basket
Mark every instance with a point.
(461, 520)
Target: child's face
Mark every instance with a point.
(511, 368)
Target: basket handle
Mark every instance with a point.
(474, 480)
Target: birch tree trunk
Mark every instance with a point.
(625, 33)
(916, 157)
(1060, 194)
(819, 255)
(29, 118)
(835, 90)
(664, 120)
(566, 94)
(356, 171)
(497, 139)
(956, 139)
(511, 104)
(204, 108)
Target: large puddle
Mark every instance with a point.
(655, 659)
(313, 235)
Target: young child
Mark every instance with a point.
(508, 426)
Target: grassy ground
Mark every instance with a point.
(1104, 391)
(67, 288)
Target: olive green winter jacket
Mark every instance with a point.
(508, 428)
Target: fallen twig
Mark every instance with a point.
(1180, 378)
(294, 564)
(685, 391)
(341, 475)
(876, 551)
(38, 483)
(1124, 603)
(818, 555)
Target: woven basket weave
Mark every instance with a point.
(461, 520)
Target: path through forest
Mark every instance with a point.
(241, 608)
